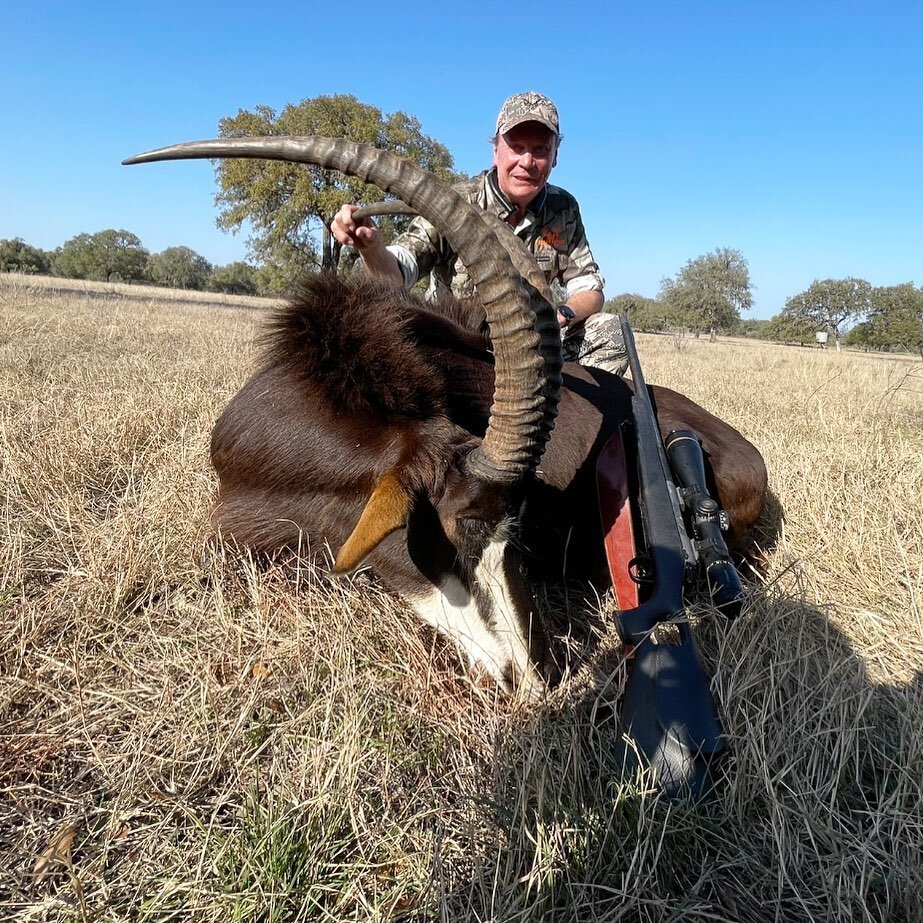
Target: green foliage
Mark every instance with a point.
(753, 328)
(179, 267)
(107, 255)
(647, 315)
(280, 271)
(791, 328)
(18, 256)
(286, 205)
(827, 304)
(237, 278)
(895, 320)
(710, 291)
(296, 855)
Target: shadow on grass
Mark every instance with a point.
(817, 813)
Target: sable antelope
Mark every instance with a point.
(458, 465)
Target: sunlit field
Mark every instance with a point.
(227, 742)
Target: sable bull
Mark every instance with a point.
(459, 465)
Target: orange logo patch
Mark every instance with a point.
(553, 237)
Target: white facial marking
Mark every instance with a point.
(502, 648)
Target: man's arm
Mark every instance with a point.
(581, 276)
(583, 304)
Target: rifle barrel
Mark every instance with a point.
(668, 709)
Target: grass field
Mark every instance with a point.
(279, 746)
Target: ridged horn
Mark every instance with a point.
(521, 319)
(524, 263)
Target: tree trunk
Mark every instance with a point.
(328, 261)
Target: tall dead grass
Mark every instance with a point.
(277, 745)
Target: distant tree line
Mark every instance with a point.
(289, 207)
(706, 296)
(118, 256)
(709, 292)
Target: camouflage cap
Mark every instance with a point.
(527, 107)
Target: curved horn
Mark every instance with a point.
(524, 263)
(382, 208)
(519, 254)
(521, 320)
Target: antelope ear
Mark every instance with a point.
(386, 512)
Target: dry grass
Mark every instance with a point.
(280, 746)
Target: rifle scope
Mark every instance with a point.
(687, 461)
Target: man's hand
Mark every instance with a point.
(580, 306)
(364, 236)
(367, 240)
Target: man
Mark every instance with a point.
(545, 217)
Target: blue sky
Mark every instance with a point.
(792, 132)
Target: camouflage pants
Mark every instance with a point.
(597, 342)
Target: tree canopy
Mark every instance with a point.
(288, 206)
(179, 267)
(753, 328)
(236, 278)
(792, 328)
(103, 255)
(710, 291)
(827, 305)
(18, 256)
(895, 320)
(646, 314)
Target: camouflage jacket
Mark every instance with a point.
(552, 229)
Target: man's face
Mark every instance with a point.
(524, 157)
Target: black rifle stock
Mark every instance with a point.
(668, 707)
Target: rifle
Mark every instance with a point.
(668, 709)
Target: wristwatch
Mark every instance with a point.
(568, 314)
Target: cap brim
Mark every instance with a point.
(509, 126)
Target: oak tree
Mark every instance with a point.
(828, 305)
(18, 256)
(109, 255)
(238, 278)
(179, 267)
(646, 314)
(895, 320)
(710, 291)
(289, 207)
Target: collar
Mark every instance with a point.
(535, 206)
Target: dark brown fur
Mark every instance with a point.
(356, 381)
(364, 379)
